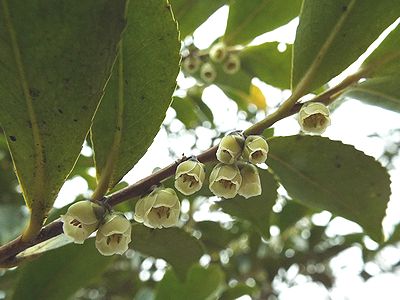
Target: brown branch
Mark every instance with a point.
(9, 251)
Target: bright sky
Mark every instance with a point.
(352, 122)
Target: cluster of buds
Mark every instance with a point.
(236, 172)
(314, 117)
(113, 230)
(218, 54)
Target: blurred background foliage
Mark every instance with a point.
(265, 245)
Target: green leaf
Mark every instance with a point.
(248, 19)
(59, 273)
(290, 214)
(12, 221)
(237, 291)
(201, 284)
(381, 88)
(191, 14)
(55, 60)
(332, 34)
(256, 210)
(138, 93)
(214, 237)
(329, 175)
(192, 112)
(268, 64)
(174, 245)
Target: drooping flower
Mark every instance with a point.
(251, 185)
(208, 73)
(255, 149)
(232, 64)
(191, 64)
(314, 117)
(189, 177)
(114, 236)
(161, 208)
(218, 52)
(230, 148)
(81, 220)
(225, 180)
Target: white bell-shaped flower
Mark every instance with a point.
(225, 180)
(208, 73)
(81, 220)
(230, 148)
(114, 236)
(314, 117)
(232, 64)
(191, 64)
(218, 52)
(161, 208)
(251, 185)
(255, 149)
(189, 177)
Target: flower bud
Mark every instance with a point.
(251, 185)
(191, 64)
(208, 73)
(189, 177)
(114, 235)
(159, 209)
(232, 64)
(218, 52)
(81, 219)
(255, 149)
(225, 180)
(230, 148)
(314, 117)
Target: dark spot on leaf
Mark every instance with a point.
(84, 107)
(60, 111)
(34, 92)
(344, 8)
(338, 165)
(126, 81)
(75, 120)
(118, 128)
(142, 98)
(13, 138)
(29, 124)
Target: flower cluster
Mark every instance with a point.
(236, 173)
(85, 217)
(207, 64)
(314, 117)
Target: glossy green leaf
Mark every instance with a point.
(256, 210)
(381, 87)
(249, 19)
(268, 64)
(174, 245)
(59, 273)
(12, 221)
(55, 60)
(192, 111)
(329, 175)
(200, 284)
(332, 34)
(191, 14)
(138, 93)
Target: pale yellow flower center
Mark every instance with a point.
(226, 183)
(115, 238)
(189, 178)
(76, 223)
(314, 120)
(162, 211)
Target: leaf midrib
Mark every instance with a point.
(302, 86)
(37, 140)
